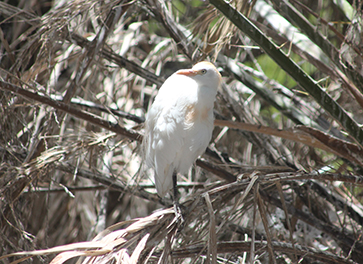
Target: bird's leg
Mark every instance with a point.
(177, 209)
(175, 188)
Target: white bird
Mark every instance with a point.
(179, 124)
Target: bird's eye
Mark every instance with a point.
(203, 71)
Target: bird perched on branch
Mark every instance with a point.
(179, 124)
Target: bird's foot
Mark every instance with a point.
(178, 213)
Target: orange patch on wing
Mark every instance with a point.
(191, 114)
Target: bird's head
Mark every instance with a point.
(204, 73)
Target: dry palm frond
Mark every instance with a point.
(217, 31)
(208, 218)
(281, 180)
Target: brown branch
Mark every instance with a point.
(70, 110)
(306, 135)
(290, 176)
(216, 170)
(242, 246)
(345, 149)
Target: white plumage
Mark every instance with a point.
(179, 124)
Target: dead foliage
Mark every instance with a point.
(281, 181)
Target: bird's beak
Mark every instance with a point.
(187, 72)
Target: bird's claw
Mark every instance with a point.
(178, 213)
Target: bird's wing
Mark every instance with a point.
(165, 135)
(165, 131)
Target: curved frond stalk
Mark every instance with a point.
(305, 81)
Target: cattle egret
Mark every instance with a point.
(179, 124)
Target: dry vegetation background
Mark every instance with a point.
(281, 181)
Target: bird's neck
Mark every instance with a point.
(206, 96)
